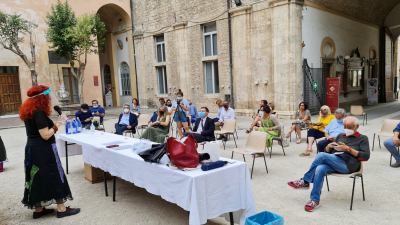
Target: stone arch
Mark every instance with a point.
(328, 48)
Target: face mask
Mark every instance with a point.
(169, 104)
(95, 106)
(226, 106)
(202, 115)
(126, 110)
(348, 132)
(84, 111)
(261, 114)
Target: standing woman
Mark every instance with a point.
(45, 181)
(135, 107)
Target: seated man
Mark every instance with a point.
(97, 111)
(227, 113)
(85, 116)
(204, 127)
(334, 128)
(392, 144)
(126, 121)
(342, 156)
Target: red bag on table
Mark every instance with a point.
(183, 154)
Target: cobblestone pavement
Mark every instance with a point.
(135, 206)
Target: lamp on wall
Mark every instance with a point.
(238, 2)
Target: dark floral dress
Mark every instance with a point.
(45, 181)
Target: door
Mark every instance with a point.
(71, 85)
(10, 92)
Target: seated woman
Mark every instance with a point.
(126, 121)
(158, 130)
(269, 124)
(316, 130)
(303, 118)
(256, 117)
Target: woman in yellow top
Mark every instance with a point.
(316, 130)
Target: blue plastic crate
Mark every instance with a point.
(265, 218)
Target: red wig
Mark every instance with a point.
(35, 102)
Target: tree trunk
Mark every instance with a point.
(81, 71)
(34, 78)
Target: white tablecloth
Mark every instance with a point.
(205, 194)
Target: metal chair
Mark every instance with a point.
(353, 176)
(143, 123)
(128, 132)
(229, 128)
(358, 110)
(256, 145)
(386, 131)
(279, 140)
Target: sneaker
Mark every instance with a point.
(311, 205)
(396, 165)
(298, 184)
(37, 215)
(68, 212)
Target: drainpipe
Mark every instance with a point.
(229, 3)
(132, 5)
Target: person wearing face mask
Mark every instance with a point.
(85, 116)
(268, 124)
(97, 110)
(203, 127)
(126, 121)
(181, 115)
(256, 121)
(158, 130)
(342, 156)
(227, 113)
(334, 128)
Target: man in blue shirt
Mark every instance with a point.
(332, 130)
(84, 115)
(97, 110)
(392, 144)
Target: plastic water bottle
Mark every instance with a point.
(68, 127)
(79, 125)
(74, 127)
(92, 127)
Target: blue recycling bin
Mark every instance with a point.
(265, 218)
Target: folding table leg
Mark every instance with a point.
(66, 156)
(105, 184)
(231, 218)
(352, 193)
(114, 188)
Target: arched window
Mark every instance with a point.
(125, 79)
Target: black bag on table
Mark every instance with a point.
(3, 154)
(154, 154)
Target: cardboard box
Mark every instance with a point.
(94, 175)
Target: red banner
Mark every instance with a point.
(332, 92)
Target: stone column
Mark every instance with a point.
(287, 55)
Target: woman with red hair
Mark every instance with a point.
(45, 181)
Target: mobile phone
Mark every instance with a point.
(112, 146)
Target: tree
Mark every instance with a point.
(13, 28)
(75, 38)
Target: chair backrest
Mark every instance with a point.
(388, 125)
(356, 110)
(143, 119)
(256, 142)
(229, 126)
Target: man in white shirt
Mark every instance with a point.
(227, 113)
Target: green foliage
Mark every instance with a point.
(12, 29)
(60, 19)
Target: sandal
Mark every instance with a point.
(248, 131)
(306, 153)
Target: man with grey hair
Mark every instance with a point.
(332, 130)
(126, 121)
(344, 155)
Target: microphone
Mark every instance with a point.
(57, 109)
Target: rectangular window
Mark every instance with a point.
(355, 78)
(210, 39)
(211, 78)
(162, 80)
(160, 48)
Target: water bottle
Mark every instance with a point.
(74, 127)
(68, 127)
(79, 125)
(92, 127)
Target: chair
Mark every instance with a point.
(279, 140)
(256, 145)
(228, 129)
(358, 110)
(128, 132)
(353, 176)
(386, 131)
(143, 123)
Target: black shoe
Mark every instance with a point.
(220, 137)
(37, 215)
(68, 212)
(395, 165)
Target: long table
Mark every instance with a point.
(205, 194)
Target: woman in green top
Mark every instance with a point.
(158, 130)
(269, 125)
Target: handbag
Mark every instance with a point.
(154, 154)
(183, 153)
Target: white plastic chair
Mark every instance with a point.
(386, 131)
(229, 128)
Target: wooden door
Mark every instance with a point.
(10, 93)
